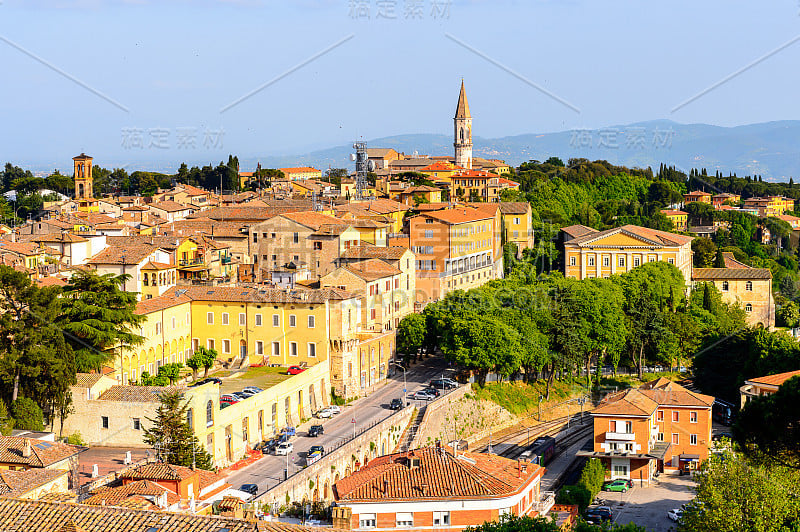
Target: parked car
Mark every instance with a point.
(617, 485)
(443, 384)
(223, 406)
(317, 448)
(284, 448)
(252, 489)
(432, 391)
(598, 514)
(252, 389)
(423, 395)
(268, 446)
(295, 370)
(315, 430)
(229, 398)
(289, 431)
(335, 409)
(675, 514)
(396, 404)
(241, 395)
(215, 380)
(324, 413)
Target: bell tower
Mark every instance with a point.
(462, 140)
(84, 195)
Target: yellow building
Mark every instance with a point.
(157, 278)
(697, 196)
(301, 172)
(590, 253)
(517, 224)
(679, 219)
(770, 205)
(440, 170)
(381, 209)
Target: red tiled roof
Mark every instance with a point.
(439, 476)
(654, 236)
(18, 483)
(365, 251)
(313, 220)
(169, 299)
(158, 471)
(775, 380)
(112, 496)
(138, 394)
(43, 453)
(372, 269)
(259, 295)
(298, 169)
(459, 215)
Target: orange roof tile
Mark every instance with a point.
(775, 380)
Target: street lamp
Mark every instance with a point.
(405, 387)
(540, 407)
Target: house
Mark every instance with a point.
(697, 196)
(769, 205)
(22, 454)
(679, 219)
(33, 483)
(129, 259)
(433, 488)
(171, 211)
(517, 224)
(420, 194)
(604, 253)
(750, 288)
(725, 199)
(301, 172)
(381, 157)
(479, 185)
(760, 386)
(659, 427)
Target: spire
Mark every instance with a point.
(462, 111)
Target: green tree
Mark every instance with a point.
(171, 436)
(98, 317)
(513, 523)
(27, 414)
(203, 358)
(789, 315)
(704, 252)
(6, 420)
(171, 371)
(411, 334)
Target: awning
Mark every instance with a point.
(689, 457)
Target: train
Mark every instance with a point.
(723, 412)
(541, 450)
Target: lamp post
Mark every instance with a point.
(405, 387)
(540, 407)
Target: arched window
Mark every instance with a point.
(748, 286)
(748, 308)
(461, 135)
(190, 418)
(144, 280)
(724, 286)
(209, 413)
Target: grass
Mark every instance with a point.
(520, 398)
(263, 377)
(632, 381)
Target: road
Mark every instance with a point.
(268, 471)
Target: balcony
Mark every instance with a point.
(226, 260)
(546, 501)
(620, 436)
(190, 262)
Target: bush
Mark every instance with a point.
(27, 414)
(575, 494)
(593, 476)
(336, 399)
(6, 421)
(76, 439)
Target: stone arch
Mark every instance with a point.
(174, 351)
(315, 496)
(336, 478)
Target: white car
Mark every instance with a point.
(324, 413)
(335, 409)
(422, 396)
(675, 514)
(284, 448)
(252, 389)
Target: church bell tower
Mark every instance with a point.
(462, 141)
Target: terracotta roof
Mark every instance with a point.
(629, 402)
(152, 265)
(644, 400)
(731, 262)
(137, 394)
(710, 274)
(365, 251)
(514, 207)
(169, 299)
(458, 215)
(158, 471)
(577, 231)
(245, 213)
(775, 380)
(87, 380)
(362, 223)
(381, 206)
(668, 212)
(650, 236)
(379, 152)
(298, 169)
(20, 515)
(60, 238)
(51, 281)
(439, 476)
(112, 496)
(697, 193)
(313, 220)
(169, 206)
(43, 453)
(260, 295)
(164, 242)
(21, 248)
(18, 483)
(132, 253)
(372, 269)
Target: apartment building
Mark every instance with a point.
(301, 172)
(432, 488)
(455, 249)
(769, 205)
(679, 219)
(306, 238)
(129, 257)
(517, 224)
(660, 426)
(697, 196)
(761, 386)
(479, 185)
(719, 200)
(595, 253)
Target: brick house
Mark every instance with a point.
(431, 488)
(660, 426)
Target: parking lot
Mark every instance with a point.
(648, 507)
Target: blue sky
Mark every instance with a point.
(176, 64)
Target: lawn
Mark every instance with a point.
(520, 398)
(263, 377)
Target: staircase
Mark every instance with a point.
(411, 430)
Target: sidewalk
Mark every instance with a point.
(559, 466)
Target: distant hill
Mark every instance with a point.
(770, 149)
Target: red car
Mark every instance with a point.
(230, 399)
(294, 370)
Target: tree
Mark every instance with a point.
(513, 523)
(411, 334)
(789, 315)
(171, 436)
(27, 414)
(98, 317)
(767, 426)
(203, 358)
(195, 363)
(6, 421)
(719, 260)
(735, 495)
(171, 371)
(704, 252)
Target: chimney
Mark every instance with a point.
(26, 448)
(385, 486)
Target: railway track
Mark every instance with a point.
(512, 445)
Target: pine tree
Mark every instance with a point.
(173, 438)
(708, 303)
(719, 260)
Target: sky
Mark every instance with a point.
(195, 80)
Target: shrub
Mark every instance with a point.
(27, 414)
(593, 476)
(76, 439)
(575, 494)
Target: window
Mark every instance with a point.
(137, 424)
(724, 286)
(660, 436)
(242, 318)
(295, 238)
(621, 261)
(674, 438)
(259, 347)
(258, 320)
(366, 521)
(591, 261)
(210, 343)
(676, 416)
(748, 286)
(636, 261)
(209, 413)
(292, 320)
(441, 518)
(226, 346)
(276, 320)
(692, 439)
(245, 426)
(311, 322)
(312, 350)
(660, 415)
(293, 349)
(748, 308)
(620, 471)
(692, 417)
(210, 318)
(173, 323)
(671, 261)
(104, 421)
(404, 519)
(190, 418)
(276, 349)
(572, 261)
(224, 318)
(606, 261)
(428, 233)
(516, 221)
(317, 246)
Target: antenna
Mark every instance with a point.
(362, 167)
